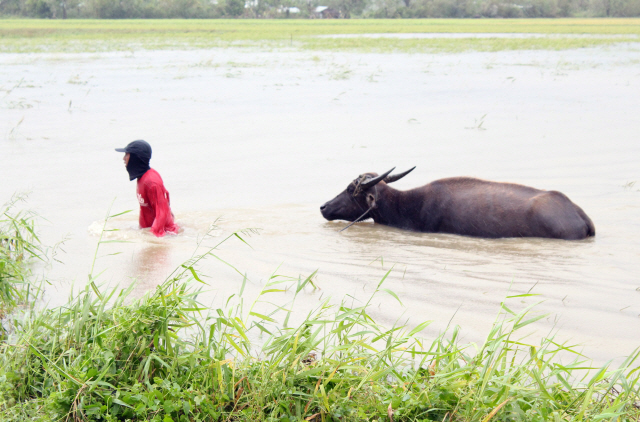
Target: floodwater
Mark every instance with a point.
(260, 139)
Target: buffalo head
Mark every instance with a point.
(358, 197)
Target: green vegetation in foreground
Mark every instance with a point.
(17, 35)
(18, 245)
(166, 357)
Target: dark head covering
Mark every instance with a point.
(140, 155)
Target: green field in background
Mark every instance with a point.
(26, 35)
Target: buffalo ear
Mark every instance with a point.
(395, 177)
(371, 200)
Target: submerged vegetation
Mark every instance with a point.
(166, 357)
(17, 35)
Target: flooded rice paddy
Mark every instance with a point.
(490, 35)
(251, 139)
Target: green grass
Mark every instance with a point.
(19, 245)
(21, 35)
(166, 357)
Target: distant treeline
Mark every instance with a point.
(147, 9)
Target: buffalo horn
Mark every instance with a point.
(391, 179)
(370, 183)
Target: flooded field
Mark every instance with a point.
(247, 138)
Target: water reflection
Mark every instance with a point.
(453, 248)
(150, 265)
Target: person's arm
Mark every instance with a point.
(160, 204)
(141, 222)
(145, 220)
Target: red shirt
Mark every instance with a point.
(155, 211)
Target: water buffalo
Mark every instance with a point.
(461, 205)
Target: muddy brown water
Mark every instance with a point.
(254, 139)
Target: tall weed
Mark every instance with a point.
(19, 245)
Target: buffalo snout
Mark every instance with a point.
(342, 207)
(325, 210)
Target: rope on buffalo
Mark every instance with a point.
(357, 220)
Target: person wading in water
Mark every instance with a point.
(155, 210)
